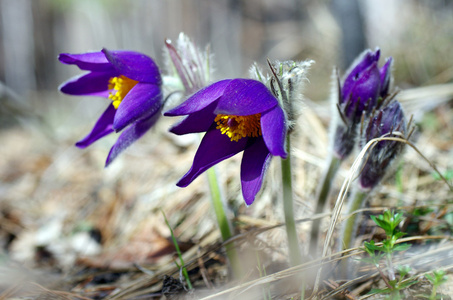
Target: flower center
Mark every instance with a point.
(120, 86)
(238, 127)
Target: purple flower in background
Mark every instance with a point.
(359, 93)
(237, 115)
(131, 81)
(384, 122)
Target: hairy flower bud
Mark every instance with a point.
(286, 82)
(386, 122)
(358, 94)
(188, 67)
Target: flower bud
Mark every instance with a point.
(358, 94)
(286, 83)
(188, 67)
(384, 123)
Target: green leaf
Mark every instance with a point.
(449, 218)
(370, 260)
(371, 247)
(437, 278)
(401, 247)
(404, 285)
(431, 278)
(422, 211)
(404, 270)
(447, 174)
(399, 234)
(379, 291)
(381, 222)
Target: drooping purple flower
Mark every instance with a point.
(131, 81)
(359, 93)
(385, 122)
(237, 115)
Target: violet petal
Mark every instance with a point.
(366, 89)
(93, 83)
(199, 121)
(142, 101)
(243, 97)
(130, 135)
(255, 160)
(386, 72)
(134, 65)
(213, 148)
(102, 128)
(358, 67)
(91, 61)
(273, 127)
(200, 99)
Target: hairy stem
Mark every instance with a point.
(323, 193)
(350, 228)
(223, 223)
(288, 208)
(391, 269)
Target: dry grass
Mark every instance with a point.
(80, 231)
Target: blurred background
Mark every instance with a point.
(49, 189)
(418, 34)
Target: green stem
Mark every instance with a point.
(288, 207)
(323, 193)
(350, 227)
(223, 223)
(433, 292)
(391, 269)
(181, 260)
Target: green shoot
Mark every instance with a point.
(437, 278)
(181, 260)
(389, 221)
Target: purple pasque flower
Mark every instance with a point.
(131, 81)
(358, 94)
(384, 123)
(237, 115)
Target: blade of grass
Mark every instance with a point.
(175, 242)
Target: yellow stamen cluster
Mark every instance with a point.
(120, 85)
(238, 127)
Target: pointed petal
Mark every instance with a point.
(273, 127)
(130, 135)
(255, 160)
(364, 93)
(199, 121)
(200, 99)
(143, 100)
(214, 148)
(243, 97)
(358, 67)
(102, 127)
(93, 83)
(386, 74)
(134, 65)
(91, 61)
